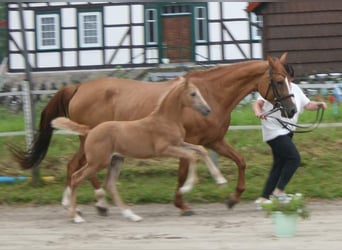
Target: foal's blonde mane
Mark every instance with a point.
(176, 85)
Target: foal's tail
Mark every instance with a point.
(57, 106)
(67, 124)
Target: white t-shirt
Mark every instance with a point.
(271, 128)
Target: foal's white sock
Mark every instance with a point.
(128, 213)
(66, 197)
(101, 198)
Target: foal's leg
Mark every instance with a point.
(110, 185)
(203, 154)
(182, 152)
(76, 180)
(75, 164)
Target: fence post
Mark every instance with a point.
(29, 125)
(30, 114)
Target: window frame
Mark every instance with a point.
(154, 23)
(39, 34)
(81, 30)
(204, 24)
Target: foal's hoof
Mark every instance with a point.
(231, 202)
(78, 219)
(221, 181)
(102, 211)
(187, 213)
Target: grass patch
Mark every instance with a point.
(144, 181)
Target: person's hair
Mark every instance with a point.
(289, 69)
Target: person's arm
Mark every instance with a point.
(257, 109)
(314, 105)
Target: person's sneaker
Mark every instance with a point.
(261, 200)
(281, 196)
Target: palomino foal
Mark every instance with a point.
(161, 134)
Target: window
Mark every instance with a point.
(90, 32)
(200, 24)
(256, 23)
(48, 31)
(151, 27)
(175, 9)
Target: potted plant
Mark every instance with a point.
(285, 212)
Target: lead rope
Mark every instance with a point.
(285, 124)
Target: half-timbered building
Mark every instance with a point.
(104, 35)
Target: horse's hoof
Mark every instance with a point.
(102, 211)
(230, 202)
(187, 213)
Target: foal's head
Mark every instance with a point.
(193, 98)
(279, 89)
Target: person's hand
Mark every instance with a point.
(261, 116)
(322, 105)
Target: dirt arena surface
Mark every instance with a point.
(213, 227)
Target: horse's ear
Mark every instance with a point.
(270, 61)
(283, 58)
(181, 79)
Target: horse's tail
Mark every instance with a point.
(57, 106)
(67, 124)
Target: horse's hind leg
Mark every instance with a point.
(75, 164)
(110, 186)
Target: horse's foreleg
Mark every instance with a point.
(183, 170)
(110, 185)
(224, 149)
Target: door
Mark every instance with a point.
(176, 38)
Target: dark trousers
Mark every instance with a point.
(286, 160)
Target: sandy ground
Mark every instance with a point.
(213, 227)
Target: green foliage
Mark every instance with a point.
(292, 204)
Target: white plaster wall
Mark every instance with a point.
(114, 35)
(91, 57)
(116, 15)
(48, 59)
(69, 59)
(201, 53)
(69, 17)
(69, 39)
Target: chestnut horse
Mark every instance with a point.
(159, 134)
(107, 99)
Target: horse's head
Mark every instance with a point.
(279, 88)
(193, 98)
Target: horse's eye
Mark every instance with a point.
(193, 94)
(280, 82)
